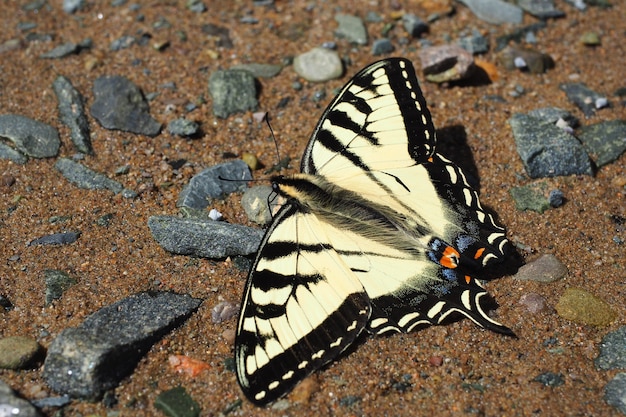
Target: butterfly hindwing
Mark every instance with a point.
(379, 232)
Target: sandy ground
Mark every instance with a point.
(482, 373)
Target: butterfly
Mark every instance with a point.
(378, 234)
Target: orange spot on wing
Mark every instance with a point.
(468, 279)
(479, 253)
(450, 257)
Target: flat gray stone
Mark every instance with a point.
(72, 113)
(318, 65)
(204, 238)
(31, 137)
(86, 178)
(495, 11)
(11, 405)
(351, 28)
(86, 361)
(233, 91)
(613, 351)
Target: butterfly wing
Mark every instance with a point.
(302, 307)
(377, 140)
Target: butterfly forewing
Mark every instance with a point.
(379, 233)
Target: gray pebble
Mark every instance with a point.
(29, 136)
(318, 65)
(613, 350)
(61, 51)
(547, 150)
(85, 361)
(56, 239)
(119, 104)
(7, 152)
(382, 46)
(351, 28)
(12, 405)
(413, 25)
(546, 268)
(203, 238)
(542, 9)
(556, 198)
(224, 311)
(86, 178)
(255, 203)
(214, 182)
(71, 6)
(475, 43)
(183, 127)
(495, 11)
(233, 91)
(72, 113)
(615, 392)
(57, 282)
(581, 95)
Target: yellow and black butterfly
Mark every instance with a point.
(379, 233)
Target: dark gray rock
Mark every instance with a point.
(207, 185)
(546, 150)
(233, 91)
(85, 361)
(605, 141)
(553, 114)
(613, 350)
(123, 42)
(351, 28)
(9, 402)
(475, 43)
(615, 392)
(64, 238)
(86, 178)
(585, 98)
(495, 11)
(176, 402)
(518, 35)
(72, 113)
(550, 379)
(57, 282)
(556, 198)
(526, 59)
(119, 104)
(30, 137)
(71, 6)
(204, 238)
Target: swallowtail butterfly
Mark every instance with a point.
(379, 233)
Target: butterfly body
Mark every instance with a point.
(379, 233)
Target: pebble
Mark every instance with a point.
(446, 63)
(213, 183)
(176, 402)
(553, 115)
(612, 351)
(221, 34)
(475, 44)
(550, 379)
(31, 137)
(7, 152)
(251, 160)
(204, 238)
(61, 51)
(72, 113)
(581, 95)
(215, 215)
(255, 203)
(382, 46)
(615, 392)
(57, 282)
(12, 405)
(590, 39)
(224, 311)
(529, 197)
(71, 6)
(495, 11)
(580, 306)
(94, 357)
(56, 239)
(119, 104)
(183, 127)
(533, 302)
(413, 25)
(604, 141)
(518, 35)
(18, 352)
(318, 65)
(547, 268)
(535, 62)
(351, 28)
(86, 178)
(556, 198)
(259, 70)
(542, 9)
(122, 42)
(547, 150)
(233, 91)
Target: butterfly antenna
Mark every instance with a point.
(267, 120)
